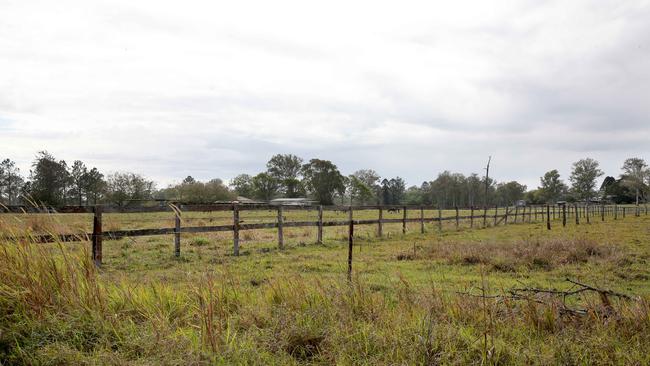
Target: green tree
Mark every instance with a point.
(616, 191)
(78, 173)
(323, 180)
(125, 186)
(552, 188)
(265, 186)
(359, 191)
(49, 180)
(583, 178)
(93, 185)
(243, 185)
(635, 173)
(510, 192)
(11, 182)
(286, 169)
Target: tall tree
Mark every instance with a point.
(49, 180)
(125, 186)
(635, 173)
(510, 192)
(286, 169)
(265, 186)
(583, 178)
(94, 185)
(78, 173)
(323, 180)
(552, 187)
(243, 185)
(10, 182)
(360, 192)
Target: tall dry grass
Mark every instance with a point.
(55, 308)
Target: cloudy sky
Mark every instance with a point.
(213, 89)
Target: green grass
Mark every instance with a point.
(407, 303)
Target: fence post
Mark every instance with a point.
(484, 216)
(421, 219)
(602, 212)
(587, 211)
(457, 218)
(97, 236)
(471, 217)
(505, 219)
(235, 228)
(548, 217)
(535, 210)
(615, 212)
(564, 215)
(380, 228)
(516, 212)
(177, 232)
(350, 243)
(624, 211)
(523, 215)
(280, 223)
(404, 221)
(439, 219)
(577, 215)
(496, 212)
(320, 225)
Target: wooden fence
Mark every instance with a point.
(508, 215)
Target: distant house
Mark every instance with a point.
(520, 203)
(292, 202)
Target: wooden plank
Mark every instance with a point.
(319, 238)
(380, 229)
(280, 232)
(421, 220)
(235, 231)
(350, 243)
(177, 234)
(97, 236)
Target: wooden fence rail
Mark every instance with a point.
(98, 235)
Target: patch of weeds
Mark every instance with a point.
(199, 241)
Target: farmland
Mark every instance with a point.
(438, 297)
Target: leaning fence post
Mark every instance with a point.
(505, 218)
(548, 217)
(350, 243)
(97, 236)
(319, 238)
(177, 232)
(280, 223)
(235, 228)
(380, 228)
(404, 221)
(516, 212)
(421, 219)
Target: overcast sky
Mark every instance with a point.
(214, 89)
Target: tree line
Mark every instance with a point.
(55, 182)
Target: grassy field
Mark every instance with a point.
(414, 299)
